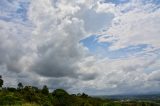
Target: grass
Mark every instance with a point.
(26, 104)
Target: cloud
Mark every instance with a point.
(14, 10)
(119, 76)
(94, 21)
(59, 53)
(12, 49)
(125, 27)
(46, 48)
(154, 76)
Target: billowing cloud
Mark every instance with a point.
(41, 43)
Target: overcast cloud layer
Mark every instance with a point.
(40, 45)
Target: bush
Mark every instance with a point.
(10, 100)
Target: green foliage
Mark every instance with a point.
(59, 93)
(33, 96)
(9, 99)
(113, 104)
(84, 95)
(11, 89)
(45, 90)
(29, 104)
(1, 81)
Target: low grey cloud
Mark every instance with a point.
(154, 76)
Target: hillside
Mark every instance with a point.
(33, 96)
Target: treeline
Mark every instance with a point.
(42, 97)
(33, 96)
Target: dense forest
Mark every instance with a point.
(33, 96)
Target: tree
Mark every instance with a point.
(59, 92)
(45, 90)
(11, 89)
(62, 96)
(84, 95)
(20, 85)
(1, 81)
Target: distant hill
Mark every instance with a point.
(132, 97)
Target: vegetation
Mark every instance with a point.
(33, 96)
(1, 81)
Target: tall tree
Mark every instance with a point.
(1, 81)
(20, 85)
(45, 90)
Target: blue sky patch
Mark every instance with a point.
(102, 48)
(22, 10)
(116, 1)
(14, 11)
(152, 1)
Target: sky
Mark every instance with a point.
(100, 47)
